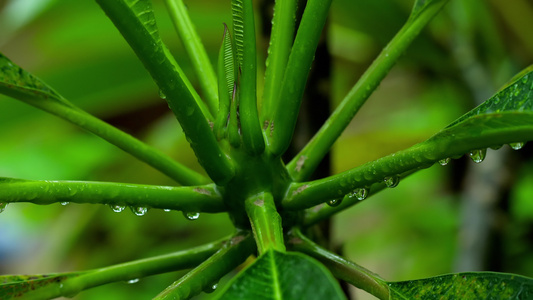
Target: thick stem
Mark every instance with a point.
(266, 222)
(340, 267)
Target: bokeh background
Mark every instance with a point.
(461, 217)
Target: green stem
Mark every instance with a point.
(266, 222)
(195, 50)
(315, 215)
(179, 94)
(447, 143)
(340, 267)
(190, 199)
(126, 271)
(281, 39)
(252, 136)
(233, 253)
(304, 164)
(285, 107)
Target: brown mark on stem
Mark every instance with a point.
(203, 191)
(300, 189)
(259, 202)
(300, 163)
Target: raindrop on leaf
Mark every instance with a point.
(139, 210)
(362, 193)
(444, 161)
(334, 202)
(64, 203)
(132, 281)
(167, 210)
(191, 215)
(117, 208)
(391, 181)
(478, 156)
(517, 146)
(162, 95)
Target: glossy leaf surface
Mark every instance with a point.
(478, 286)
(277, 275)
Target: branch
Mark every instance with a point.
(303, 165)
(68, 284)
(188, 199)
(340, 267)
(233, 253)
(195, 50)
(286, 105)
(137, 24)
(266, 222)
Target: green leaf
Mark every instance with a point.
(277, 275)
(477, 286)
(17, 83)
(238, 28)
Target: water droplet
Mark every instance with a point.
(361, 193)
(478, 156)
(64, 203)
(162, 95)
(517, 146)
(334, 202)
(139, 210)
(117, 208)
(167, 210)
(444, 161)
(191, 215)
(391, 181)
(132, 281)
(497, 147)
(210, 288)
(71, 191)
(3, 206)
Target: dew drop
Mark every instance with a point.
(478, 156)
(444, 161)
(3, 207)
(132, 281)
(162, 95)
(71, 192)
(139, 210)
(362, 193)
(210, 288)
(64, 203)
(167, 210)
(517, 146)
(191, 215)
(391, 181)
(117, 208)
(497, 147)
(334, 202)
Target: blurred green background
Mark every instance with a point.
(419, 229)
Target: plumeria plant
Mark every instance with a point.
(239, 136)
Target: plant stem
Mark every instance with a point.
(340, 267)
(142, 36)
(196, 52)
(315, 215)
(285, 107)
(266, 222)
(126, 271)
(451, 142)
(303, 165)
(233, 253)
(190, 199)
(281, 39)
(252, 135)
